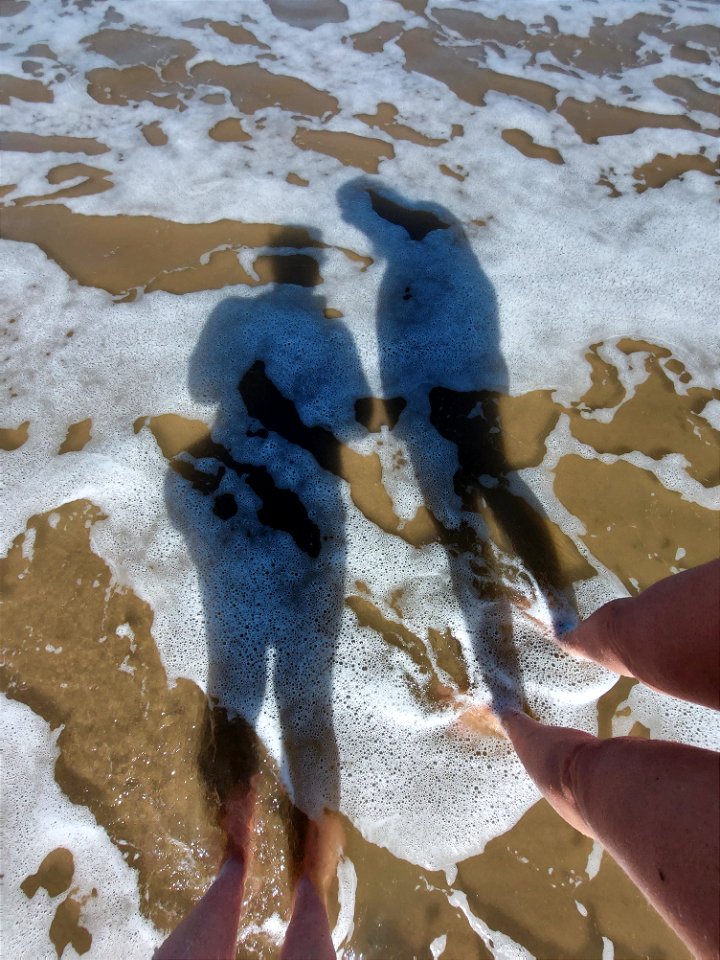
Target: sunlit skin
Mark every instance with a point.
(309, 932)
(210, 931)
(667, 637)
(652, 804)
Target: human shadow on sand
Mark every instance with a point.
(439, 350)
(265, 528)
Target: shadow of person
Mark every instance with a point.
(263, 526)
(439, 349)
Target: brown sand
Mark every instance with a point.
(151, 761)
(154, 797)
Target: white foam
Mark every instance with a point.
(594, 858)
(568, 267)
(668, 718)
(347, 889)
(437, 947)
(501, 946)
(37, 818)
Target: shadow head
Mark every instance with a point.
(288, 271)
(389, 219)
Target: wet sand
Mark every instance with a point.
(151, 755)
(138, 753)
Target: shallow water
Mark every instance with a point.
(349, 351)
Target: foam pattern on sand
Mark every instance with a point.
(328, 581)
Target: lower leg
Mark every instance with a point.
(210, 930)
(652, 804)
(547, 754)
(308, 934)
(667, 636)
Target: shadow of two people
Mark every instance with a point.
(266, 528)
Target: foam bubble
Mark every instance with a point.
(38, 818)
(537, 262)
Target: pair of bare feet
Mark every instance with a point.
(210, 930)
(319, 844)
(651, 803)
(321, 841)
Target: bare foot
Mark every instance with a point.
(481, 719)
(476, 717)
(238, 817)
(324, 841)
(441, 693)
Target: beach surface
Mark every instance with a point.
(351, 351)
